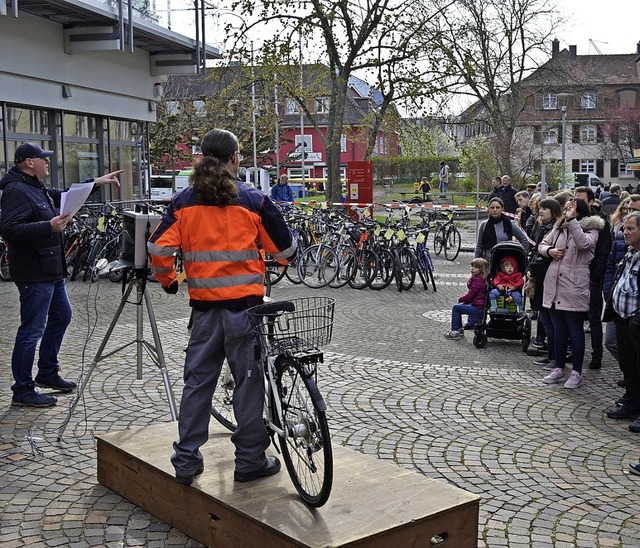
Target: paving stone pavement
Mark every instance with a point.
(549, 465)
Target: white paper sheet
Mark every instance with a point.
(71, 200)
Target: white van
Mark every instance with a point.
(587, 178)
(161, 186)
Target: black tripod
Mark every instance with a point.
(138, 280)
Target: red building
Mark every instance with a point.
(220, 99)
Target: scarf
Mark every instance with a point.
(489, 235)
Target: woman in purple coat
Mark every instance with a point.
(570, 245)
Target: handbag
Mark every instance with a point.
(539, 265)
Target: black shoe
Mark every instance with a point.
(187, 479)
(623, 400)
(635, 426)
(635, 469)
(621, 383)
(33, 399)
(623, 412)
(57, 383)
(270, 467)
(595, 363)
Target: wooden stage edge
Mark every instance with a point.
(373, 504)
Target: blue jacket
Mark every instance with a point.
(36, 253)
(281, 193)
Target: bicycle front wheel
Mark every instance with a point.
(222, 404)
(452, 244)
(318, 266)
(305, 445)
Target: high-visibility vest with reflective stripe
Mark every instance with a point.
(220, 245)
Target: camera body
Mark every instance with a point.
(136, 229)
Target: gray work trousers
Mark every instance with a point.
(218, 333)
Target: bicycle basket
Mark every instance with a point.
(305, 329)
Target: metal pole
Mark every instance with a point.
(277, 145)
(302, 144)
(564, 139)
(253, 117)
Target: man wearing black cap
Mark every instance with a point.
(31, 225)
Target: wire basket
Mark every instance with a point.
(304, 329)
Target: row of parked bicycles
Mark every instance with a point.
(336, 247)
(336, 250)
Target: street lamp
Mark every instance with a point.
(564, 139)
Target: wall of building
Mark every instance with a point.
(35, 67)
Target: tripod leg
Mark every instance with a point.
(162, 365)
(95, 361)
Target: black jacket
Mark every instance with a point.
(598, 265)
(36, 253)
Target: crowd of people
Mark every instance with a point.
(583, 275)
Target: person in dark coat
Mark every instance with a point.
(33, 227)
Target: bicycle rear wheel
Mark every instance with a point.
(427, 262)
(384, 275)
(5, 274)
(222, 403)
(438, 240)
(347, 260)
(452, 244)
(306, 445)
(318, 266)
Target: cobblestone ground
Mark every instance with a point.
(547, 462)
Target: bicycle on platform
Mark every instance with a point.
(290, 335)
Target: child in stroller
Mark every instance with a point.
(507, 287)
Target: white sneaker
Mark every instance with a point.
(574, 380)
(556, 375)
(454, 334)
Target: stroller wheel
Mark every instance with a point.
(479, 340)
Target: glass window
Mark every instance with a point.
(199, 107)
(308, 143)
(549, 101)
(322, 105)
(173, 108)
(550, 136)
(291, 107)
(588, 100)
(343, 143)
(588, 165)
(588, 134)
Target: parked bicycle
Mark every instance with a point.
(290, 335)
(447, 236)
(5, 273)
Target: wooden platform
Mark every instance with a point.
(373, 503)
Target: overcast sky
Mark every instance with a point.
(611, 24)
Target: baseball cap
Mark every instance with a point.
(30, 150)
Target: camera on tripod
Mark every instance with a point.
(136, 229)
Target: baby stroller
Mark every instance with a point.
(504, 322)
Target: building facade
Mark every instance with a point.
(290, 143)
(78, 79)
(584, 109)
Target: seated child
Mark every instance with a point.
(507, 285)
(472, 302)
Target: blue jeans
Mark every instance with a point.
(517, 296)
(569, 328)
(545, 319)
(474, 313)
(45, 313)
(443, 187)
